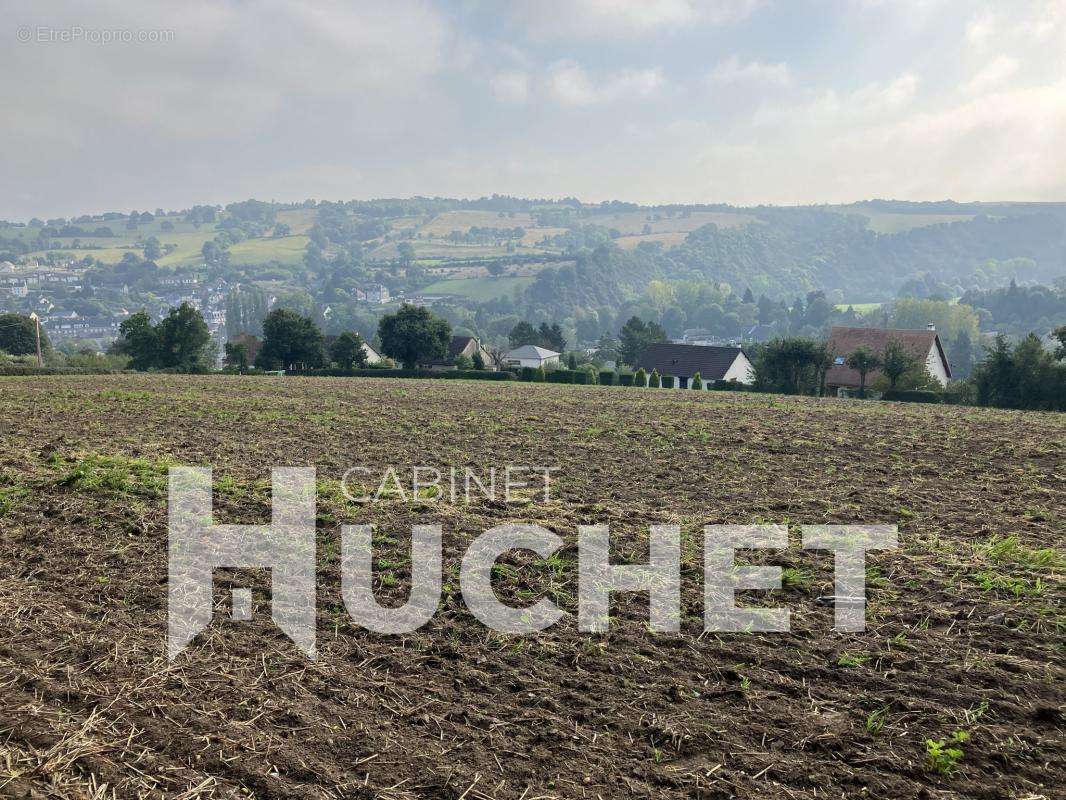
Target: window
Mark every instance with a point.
(838, 360)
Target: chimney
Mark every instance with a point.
(930, 327)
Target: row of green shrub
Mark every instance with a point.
(914, 396)
(453, 374)
(611, 378)
(573, 376)
(734, 386)
(26, 369)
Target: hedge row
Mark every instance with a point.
(573, 376)
(453, 374)
(914, 396)
(26, 369)
(732, 386)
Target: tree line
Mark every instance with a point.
(410, 336)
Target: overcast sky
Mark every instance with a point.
(739, 101)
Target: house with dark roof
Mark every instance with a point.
(467, 346)
(683, 361)
(922, 345)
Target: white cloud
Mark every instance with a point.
(511, 87)
(992, 76)
(981, 28)
(289, 100)
(887, 140)
(580, 19)
(734, 71)
(1045, 21)
(877, 97)
(836, 110)
(569, 84)
(1030, 22)
(241, 94)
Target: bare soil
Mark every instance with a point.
(964, 619)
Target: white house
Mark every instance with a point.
(529, 355)
(372, 355)
(377, 293)
(713, 363)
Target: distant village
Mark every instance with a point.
(42, 289)
(697, 353)
(46, 290)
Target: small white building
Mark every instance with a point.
(529, 355)
(377, 293)
(372, 355)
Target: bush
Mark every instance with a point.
(625, 379)
(475, 375)
(527, 374)
(9, 369)
(731, 386)
(369, 372)
(568, 376)
(668, 381)
(695, 382)
(539, 375)
(655, 382)
(607, 377)
(913, 396)
(640, 378)
(961, 393)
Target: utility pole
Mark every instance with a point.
(37, 326)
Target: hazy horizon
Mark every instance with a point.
(652, 101)
(151, 208)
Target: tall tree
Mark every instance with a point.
(864, 361)
(290, 340)
(607, 348)
(413, 335)
(347, 351)
(236, 355)
(950, 319)
(523, 333)
(961, 355)
(1026, 375)
(896, 362)
(791, 365)
(994, 377)
(246, 307)
(635, 336)
(18, 335)
(139, 341)
(152, 248)
(551, 336)
(184, 340)
(1060, 334)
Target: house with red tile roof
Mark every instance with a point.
(922, 345)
